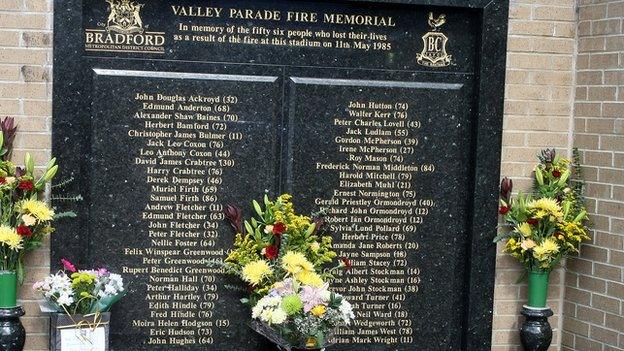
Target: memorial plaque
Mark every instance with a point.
(389, 154)
(386, 113)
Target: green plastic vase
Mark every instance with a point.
(8, 289)
(538, 288)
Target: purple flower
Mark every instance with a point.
(547, 157)
(19, 171)
(102, 272)
(506, 189)
(234, 216)
(319, 224)
(283, 288)
(312, 296)
(8, 131)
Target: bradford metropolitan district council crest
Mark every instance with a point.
(124, 17)
(434, 45)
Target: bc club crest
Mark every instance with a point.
(124, 17)
(434, 52)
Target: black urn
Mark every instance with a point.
(535, 333)
(12, 333)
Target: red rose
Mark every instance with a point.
(24, 231)
(270, 252)
(503, 210)
(346, 263)
(279, 228)
(2, 180)
(532, 221)
(26, 185)
(556, 173)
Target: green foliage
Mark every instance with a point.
(274, 230)
(549, 224)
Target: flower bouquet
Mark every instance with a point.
(24, 220)
(546, 225)
(80, 302)
(287, 261)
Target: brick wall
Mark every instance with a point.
(594, 293)
(26, 94)
(538, 114)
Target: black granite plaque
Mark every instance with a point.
(388, 113)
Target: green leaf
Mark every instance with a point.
(50, 173)
(29, 162)
(51, 163)
(522, 277)
(20, 271)
(320, 338)
(66, 214)
(1, 138)
(248, 228)
(257, 207)
(539, 176)
(254, 223)
(310, 230)
(564, 178)
(267, 202)
(501, 236)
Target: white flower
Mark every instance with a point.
(29, 220)
(268, 229)
(347, 311)
(65, 300)
(266, 315)
(326, 295)
(273, 301)
(256, 311)
(278, 316)
(9, 180)
(109, 285)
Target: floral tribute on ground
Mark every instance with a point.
(72, 291)
(548, 224)
(287, 263)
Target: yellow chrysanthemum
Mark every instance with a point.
(10, 238)
(296, 262)
(524, 229)
(39, 209)
(546, 207)
(318, 310)
(254, 272)
(511, 245)
(285, 198)
(310, 278)
(543, 251)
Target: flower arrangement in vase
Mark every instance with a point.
(547, 225)
(287, 262)
(25, 220)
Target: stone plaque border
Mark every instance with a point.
(71, 143)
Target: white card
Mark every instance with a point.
(83, 339)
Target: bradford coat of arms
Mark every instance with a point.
(434, 45)
(124, 17)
